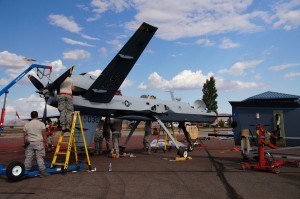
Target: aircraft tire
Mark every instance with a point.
(276, 170)
(183, 152)
(15, 171)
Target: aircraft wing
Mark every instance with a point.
(105, 86)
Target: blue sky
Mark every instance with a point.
(250, 47)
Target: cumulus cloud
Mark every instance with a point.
(227, 43)
(233, 85)
(11, 59)
(74, 42)
(34, 102)
(239, 68)
(76, 54)
(127, 83)
(283, 66)
(187, 80)
(95, 72)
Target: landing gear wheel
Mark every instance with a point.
(183, 153)
(276, 170)
(15, 171)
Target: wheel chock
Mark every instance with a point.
(183, 158)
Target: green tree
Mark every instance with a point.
(210, 94)
(229, 122)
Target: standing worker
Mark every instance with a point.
(102, 131)
(65, 104)
(146, 140)
(116, 128)
(35, 139)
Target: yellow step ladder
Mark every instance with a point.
(70, 142)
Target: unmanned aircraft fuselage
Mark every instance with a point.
(94, 97)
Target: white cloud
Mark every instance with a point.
(101, 6)
(192, 18)
(89, 37)
(83, 7)
(64, 22)
(11, 60)
(283, 66)
(103, 52)
(186, 79)
(179, 19)
(177, 55)
(116, 43)
(227, 43)
(126, 83)
(76, 54)
(291, 75)
(239, 68)
(95, 72)
(149, 51)
(34, 102)
(4, 81)
(57, 66)
(287, 15)
(93, 18)
(74, 42)
(233, 85)
(205, 42)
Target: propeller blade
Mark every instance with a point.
(60, 80)
(45, 112)
(36, 82)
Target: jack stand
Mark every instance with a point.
(182, 152)
(263, 163)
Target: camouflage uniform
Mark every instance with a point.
(34, 131)
(147, 135)
(116, 128)
(65, 103)
(102, 131)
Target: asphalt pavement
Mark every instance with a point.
(214, 172)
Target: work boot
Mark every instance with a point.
(44, 174)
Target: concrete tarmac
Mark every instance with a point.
(214, 172)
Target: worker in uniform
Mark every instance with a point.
(116, 128)
(146, 140)
(65, 104)
(102, 132)
(35, 139)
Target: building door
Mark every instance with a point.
(278, 121)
